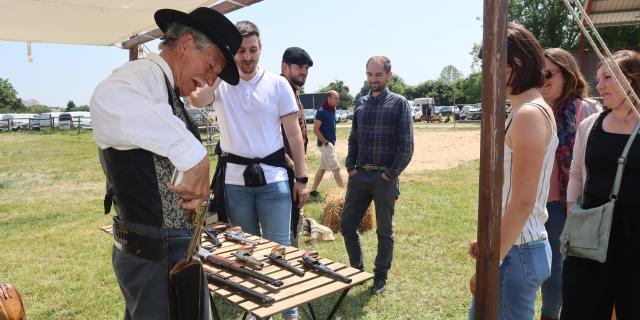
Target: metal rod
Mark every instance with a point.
(622, 83)
(491, 158)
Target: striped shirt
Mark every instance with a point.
(534, 227)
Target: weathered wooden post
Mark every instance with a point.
(491, 157)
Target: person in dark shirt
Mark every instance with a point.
(380, 148)
(324, 127)
(590, 289)
(295, 68)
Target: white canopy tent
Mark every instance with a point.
(91, 22)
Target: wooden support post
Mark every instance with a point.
(491, 157)
(133, 53)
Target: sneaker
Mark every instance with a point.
(378, 286)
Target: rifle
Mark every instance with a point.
(244, 254)
(212, 232)
(309, 260)
(277, 257)
(219, 281)
(236, 234)
(236, 268)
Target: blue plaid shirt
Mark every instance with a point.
(381, 133)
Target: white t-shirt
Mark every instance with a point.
(249, 118)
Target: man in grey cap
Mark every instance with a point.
(144, 134)
(295, 68)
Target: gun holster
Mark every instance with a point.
(254, 175)
(185, 291)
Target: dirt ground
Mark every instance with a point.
(435, 150)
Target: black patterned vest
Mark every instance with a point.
(136, 180)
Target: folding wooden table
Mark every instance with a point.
(295, 292)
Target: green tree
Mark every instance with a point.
(9, 101)
(471, 88)
(553, 25)
(346, 100)
(71, 105)
(363, 91)
(39, 108)
(450, 74)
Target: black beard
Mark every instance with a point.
(298, 83)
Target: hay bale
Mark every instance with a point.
(332, 212)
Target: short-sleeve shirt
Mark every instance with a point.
(328, 125)
(249, 118)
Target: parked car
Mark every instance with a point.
(340, 116)
(65, 121)
(47, 120)
(309, 115)
(475, 112)
(416, 113)
(350, 115)
(447, 110)
(16, 121)
(197, 117)
(464, 112)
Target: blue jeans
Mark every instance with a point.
(522, 272)
(552, 288)
(263, 211)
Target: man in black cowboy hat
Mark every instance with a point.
(144, 134)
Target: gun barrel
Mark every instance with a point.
(322, 268)
(227, 264)
(240, 238)
(248, 259)
(285, 265)
(230, 285)
(212, 234)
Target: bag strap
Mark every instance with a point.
(622, 161)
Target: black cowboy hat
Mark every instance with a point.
(214, 26)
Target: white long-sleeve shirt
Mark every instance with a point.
(130, 110)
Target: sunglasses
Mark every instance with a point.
(548, 74)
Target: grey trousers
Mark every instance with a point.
(362, 188)
(145, 283)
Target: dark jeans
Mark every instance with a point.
(552, 288)
(590, 288)
(361, 189)
(144, 283)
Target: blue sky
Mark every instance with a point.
(419, 36)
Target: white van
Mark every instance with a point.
(16, 121)
(82, 119)
(48, 120)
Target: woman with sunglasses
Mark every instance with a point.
(590, 288)
(565, 91)
(529, 147)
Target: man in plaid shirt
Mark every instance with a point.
(380, 147)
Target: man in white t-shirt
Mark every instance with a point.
(256, 189)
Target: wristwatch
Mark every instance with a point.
(302, 179)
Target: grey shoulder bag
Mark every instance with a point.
(586, 232)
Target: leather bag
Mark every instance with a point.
(186, 286)
(11, 307)
(586, 231)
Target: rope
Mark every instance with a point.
(620, 83)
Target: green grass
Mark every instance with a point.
(51, 189)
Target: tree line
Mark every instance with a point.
(11, 103)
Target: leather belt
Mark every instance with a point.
(138, 244)
(372, 167)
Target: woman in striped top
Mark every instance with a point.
(529, 149)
